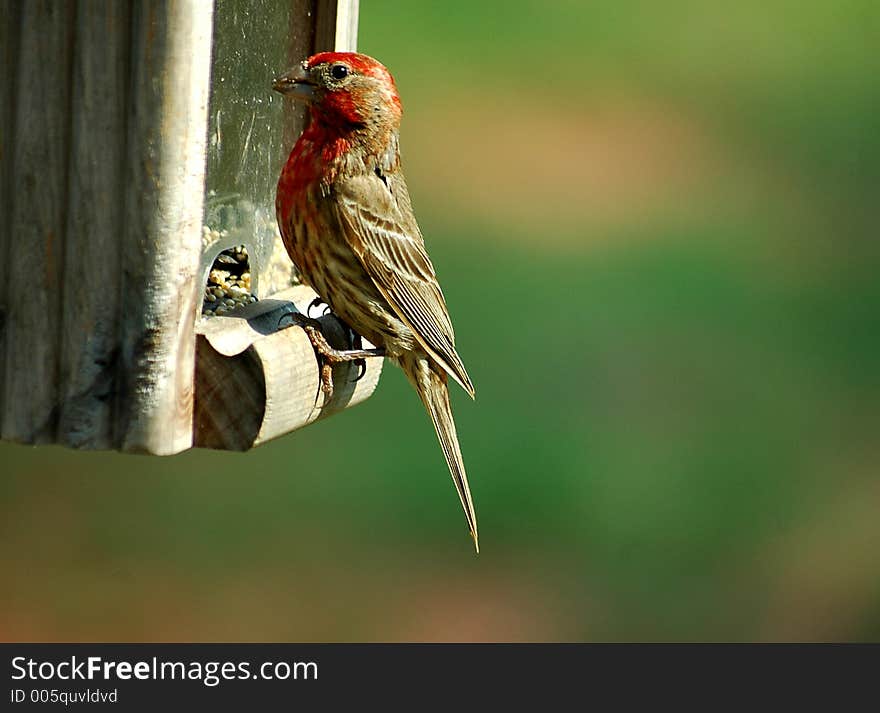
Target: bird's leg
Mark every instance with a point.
(333, 355)
(329, 355)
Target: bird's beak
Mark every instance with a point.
(296, 84)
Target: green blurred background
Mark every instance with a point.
(656, 227)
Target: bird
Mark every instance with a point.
(346, 219)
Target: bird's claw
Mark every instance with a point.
(362, 369)
(297, 319)
(315, 303)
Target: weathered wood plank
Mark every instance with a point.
(230, 398)
(336, 25)
(255, 382)
(100, 231)
(91, 277)
(9, 33)
(164, 183)
(37, 222)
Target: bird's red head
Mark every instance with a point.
(345, 90)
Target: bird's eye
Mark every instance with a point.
(339, 71)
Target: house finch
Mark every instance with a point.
(346, 220)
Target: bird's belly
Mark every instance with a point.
(330, 267)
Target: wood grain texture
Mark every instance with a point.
(92, 280)
(336, 25)
(37, 223)
(165, 178)
(10, 21)
(255, 382)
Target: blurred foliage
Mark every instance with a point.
(675, 431)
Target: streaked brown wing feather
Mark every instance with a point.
(381, 229)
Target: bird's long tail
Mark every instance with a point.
(431, 385)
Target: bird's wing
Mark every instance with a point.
(376, 218)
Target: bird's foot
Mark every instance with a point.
(297, 319)
(328, 355)
(353, 337)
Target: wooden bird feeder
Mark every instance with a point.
(142, 278)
